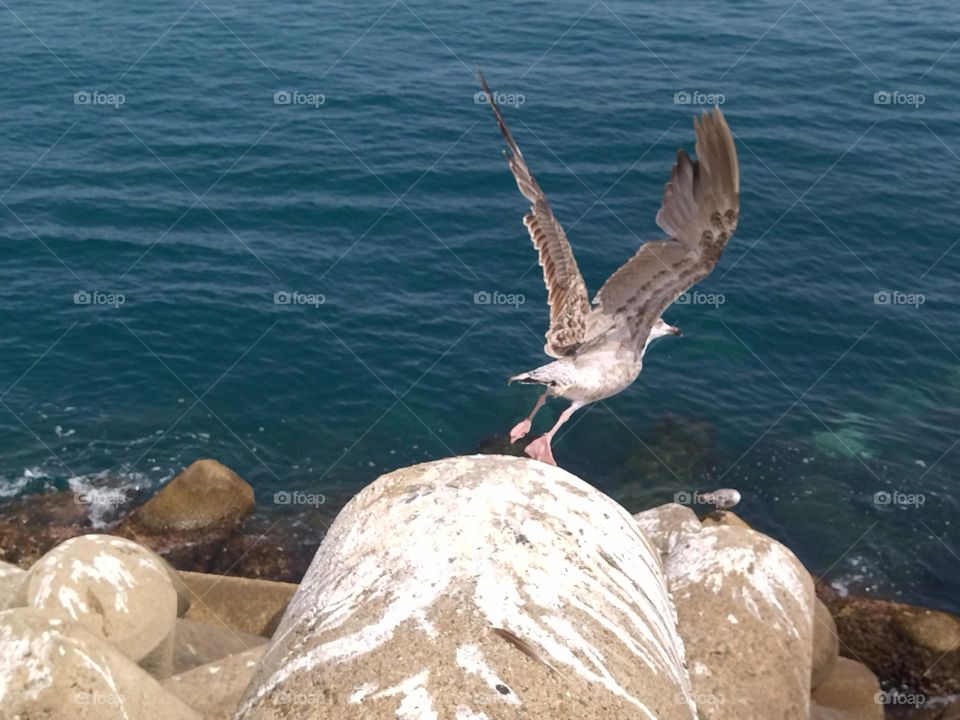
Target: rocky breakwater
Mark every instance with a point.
(472, 588)
(101, 628)
(478, 587)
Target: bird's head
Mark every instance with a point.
(660, 328)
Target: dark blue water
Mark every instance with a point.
(143, 155)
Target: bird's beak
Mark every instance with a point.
(676, 331)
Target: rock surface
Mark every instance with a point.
(11, 578)
(745, 609)
(214, 690)
(53, 669)
(478, 587)
(666, 525)
(246, 605)
(905, 646)
(114, 588)
(826, 645)
(206, 497)
(197, 643)
(851, 689)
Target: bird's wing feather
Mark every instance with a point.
(700, 209)
(566, 291)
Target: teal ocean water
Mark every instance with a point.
(258, 231)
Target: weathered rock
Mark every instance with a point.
(205, 499)
(666, 525)
(472, 587)
(52, 669)
(745, 609)
(11, 579)
(114, 588)
(196, 643)
(905, 646)
(826, 645)
(242, 604)
(214, 690)
(852, 689)
(723, 517)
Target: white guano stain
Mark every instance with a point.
(526, 522)
(763, 575)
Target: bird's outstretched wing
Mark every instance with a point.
(566, 291)
(699, 213)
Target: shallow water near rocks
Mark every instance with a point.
(825, 386)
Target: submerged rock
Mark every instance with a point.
(206, 499)
(478, 587)
(58, 670)
(906, 646)
(745, 611)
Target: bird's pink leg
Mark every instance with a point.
(539, 449)
(523, 427)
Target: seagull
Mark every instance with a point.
(598, 347)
